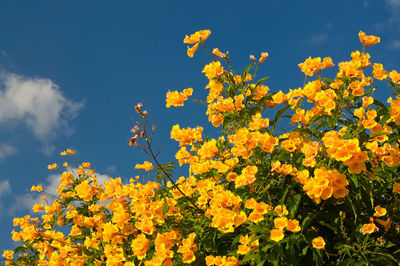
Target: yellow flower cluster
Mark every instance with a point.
(325, 184)
(186, 136)
(314, 65)
(245, 142)
(145, 166)
(196, 38)
(246, 246)
(347, 151)
(175, 98)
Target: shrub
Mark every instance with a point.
(322, 188)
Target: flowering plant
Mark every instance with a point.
(320, 189)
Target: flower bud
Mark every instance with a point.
(138, 107)
(133, 142)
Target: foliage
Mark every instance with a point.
(323, 190)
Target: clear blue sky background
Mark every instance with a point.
(72, 71)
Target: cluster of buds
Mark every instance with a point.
(264, 56)
(138, 109)
(136, 129)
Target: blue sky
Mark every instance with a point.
(72, 71)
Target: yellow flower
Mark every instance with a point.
(188, 91)
(280, 222)
(37, 188)
(8, 254)
(379, 72)
(313, 65)
(277, 235)
(396, 187)
(368, 40)
(191, 50)
(218, 53)
(52, 166)
(264, 56)
(140, 245)
(37, 207)
(369, 228)
(212, 70)
(147, 166)
(195, 39)
(175, 98)
(293, 225)
(318, 243)
(395, 76)
(379, 211)
(281, 210)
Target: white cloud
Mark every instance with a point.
(393, 4)
(5, 188)
(111, 169)
(6, 150)
(394, 45)
(319, 38)
(36, 102)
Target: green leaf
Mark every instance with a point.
(353, 208)
(293, 202)
(249, 256)
(282, 201)
(305, 131)
(380, 104)
(279, 114)
(256, 228)
(260, 81)
(268, 246)
(327, 80)
(249, 68)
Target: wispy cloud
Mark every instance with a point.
(5, 189)
(319, 38)
(111, 169)
(394, 45)
(7, 150)
(393, 4)
(38, 103)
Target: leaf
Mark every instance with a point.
(248, 68)
(19, 249)
(260, 81)
(268, 246)
(380, 104)
(249, 256)
(327, 80)
(304, 251)
(353, 208)
(282, 201)
(306, 131)
(279, 114)
(256, 228)
(293, 202)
